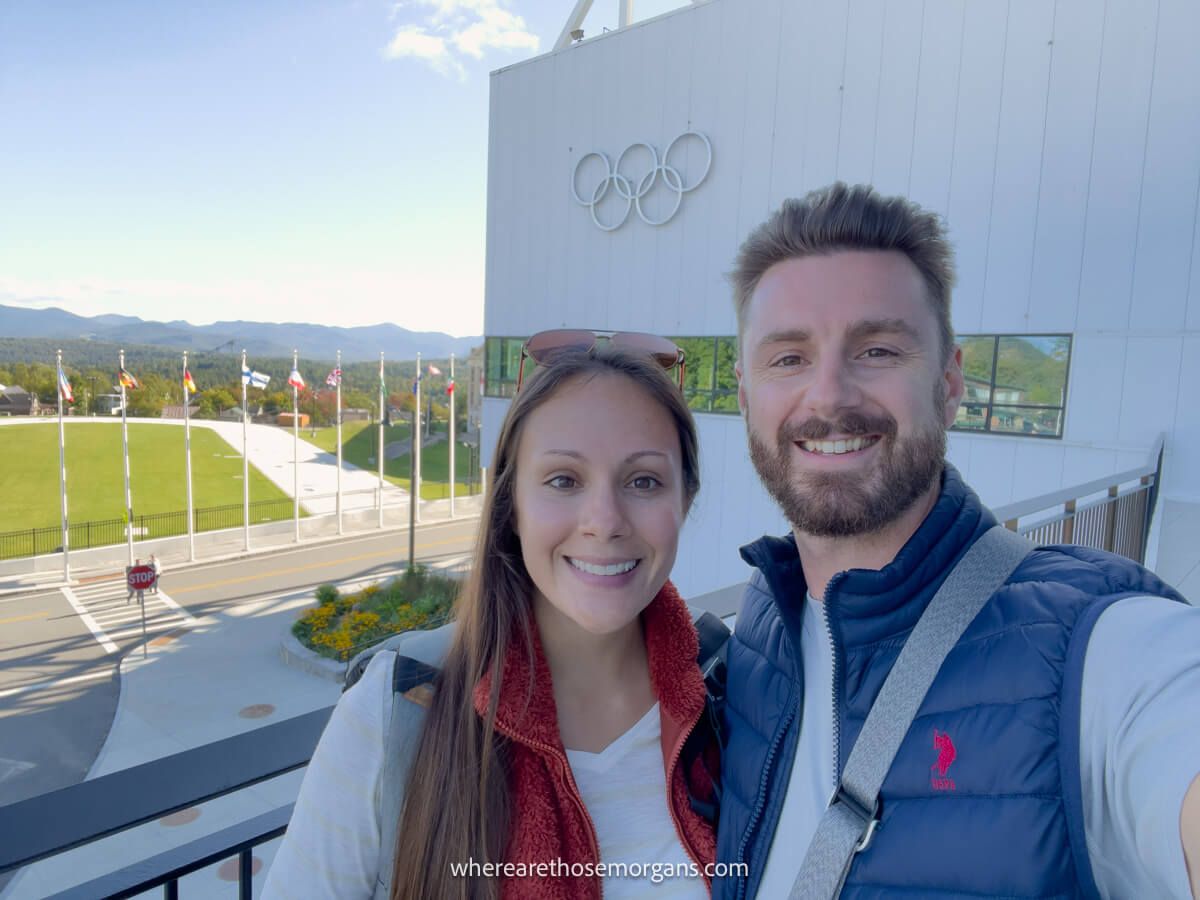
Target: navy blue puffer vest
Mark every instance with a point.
(983, 798)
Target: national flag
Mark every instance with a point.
(188, 382)
(334, 378)
(295, 380)
(416, 385)
(127, 380)
(434, 370)
(450, 387)
(254, 379)
(64, 386)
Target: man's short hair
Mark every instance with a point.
(850, 217)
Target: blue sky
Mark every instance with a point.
(299, 161)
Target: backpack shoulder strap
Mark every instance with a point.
(413, 680)
(850, 820)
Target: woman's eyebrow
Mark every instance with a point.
(632, 457)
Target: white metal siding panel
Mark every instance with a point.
(937, 100)
(1089, 463)
(756, 127)
(1066, 159)
(993, 467)
(1119, 146)
(1038, 469)
(703, 292)
(1018, 162)
(899, 69)
(791, 104)
(1182, 478)
(1171, 175)
(860, 90)
(1097, 372)
(826, 49)
(974, 167)
(1150, 388)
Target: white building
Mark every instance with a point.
(1061, 141)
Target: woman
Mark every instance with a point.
(556, 726)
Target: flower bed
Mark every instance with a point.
(339, 626)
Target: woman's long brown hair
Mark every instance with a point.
(457, 806)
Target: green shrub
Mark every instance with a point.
(341, 625)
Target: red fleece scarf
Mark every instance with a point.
(549, 820)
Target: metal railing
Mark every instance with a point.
(53, 823)
(106, 532)
(1112, 513)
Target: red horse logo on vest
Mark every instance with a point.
(946, 756)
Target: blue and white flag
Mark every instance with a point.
(254, 379)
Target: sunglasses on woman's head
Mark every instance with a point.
(544, 346)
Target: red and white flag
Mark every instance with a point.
(434, 370)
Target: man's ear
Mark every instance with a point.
(955, 385)
(741, 393)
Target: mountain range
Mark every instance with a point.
(359, 344)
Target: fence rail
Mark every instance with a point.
(105, 532)
(1111, 513)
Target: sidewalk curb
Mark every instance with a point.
(89, 575)
(296, 655)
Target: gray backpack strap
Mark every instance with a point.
(849, 822)
(417, 657)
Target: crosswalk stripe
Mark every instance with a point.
(110, 615)
(86, 618)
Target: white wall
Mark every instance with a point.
(1061, 141)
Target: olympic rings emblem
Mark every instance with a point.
(623, 184)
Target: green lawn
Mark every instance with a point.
(29, 491)
(360, 443)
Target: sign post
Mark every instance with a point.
(141, 578)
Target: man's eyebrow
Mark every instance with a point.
(869, 327)
(786, 336)
(632, 457)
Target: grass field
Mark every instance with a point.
(360, 443)
(29, 491)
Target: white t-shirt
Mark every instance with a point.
(331, 848)
(1139, 748)
(625, 790)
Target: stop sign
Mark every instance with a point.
(141, 578)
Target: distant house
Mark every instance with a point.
(356, 415)
(285, 418)
(16, 401)
(108, 404)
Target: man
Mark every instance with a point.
(1057, 751)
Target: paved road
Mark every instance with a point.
(59, 650)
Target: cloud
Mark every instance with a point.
(454, 29)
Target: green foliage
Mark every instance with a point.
(339, 626)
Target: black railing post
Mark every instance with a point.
(245, 874)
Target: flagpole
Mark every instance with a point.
(245, 459)
(187, 456)
(296, 445)
(125, 450)
(453, 473)
(416, 479)
(339, 441)
(382, 416)
(62, 476)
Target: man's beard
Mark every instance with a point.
(835, 504)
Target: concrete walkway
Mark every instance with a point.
(224, 676)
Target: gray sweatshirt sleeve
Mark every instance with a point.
(1140, 744)
(331, 848)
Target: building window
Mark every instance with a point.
(502, 358)
(709, 384)
(1015, 384)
